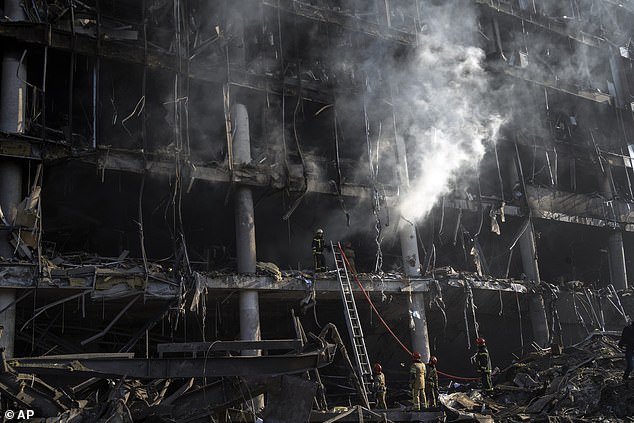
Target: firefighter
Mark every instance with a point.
(417, 382)
(627, 342)
(318, 251)
(378, 387)
(432, 382)
(483, 363)
(349, 253)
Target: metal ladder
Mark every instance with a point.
(362, 361)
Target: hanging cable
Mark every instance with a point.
(476, 325)
(466, 325)
(519, 313)
(501, 303)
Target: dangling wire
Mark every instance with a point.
(519, 313)
(473, 307)
(435, 298)
(579, 316)
(501, 303)
(466, 323)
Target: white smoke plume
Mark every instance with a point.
(444, 102)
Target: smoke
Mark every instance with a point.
(445, 106)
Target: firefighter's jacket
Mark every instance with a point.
(378, 384)
(417, 375)
(432, 376)
(483, 361)
(318, 245)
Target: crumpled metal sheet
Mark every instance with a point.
(583, 384)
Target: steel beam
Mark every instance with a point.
(195, 347)
(346, 21)
(58, 39)
(161, 368)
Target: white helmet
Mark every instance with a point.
(319, 231)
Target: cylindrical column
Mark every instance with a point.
(12, 107)
(10, 194)
(12, 87)
(409, 248)
(245, 230)
(418, 325)
(539, 322)
(530, 265)
(528, 251)
(250, 319)
(13, 9)
(245, 236)
(411, 266)
(12, 93)
(616, 254)
(619, 78)
(7, 320)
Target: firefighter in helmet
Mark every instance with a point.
(379, 387)
(318, 251)
(483, 364)
(417, 381)
(432, 382)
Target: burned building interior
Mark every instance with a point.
(164, 165)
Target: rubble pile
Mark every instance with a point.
(584, 383)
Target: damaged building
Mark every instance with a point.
(165, 164)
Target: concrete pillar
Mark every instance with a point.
(13, 10)
(619, 78)
(411, 259)
(537, 310)
(418, 325)
(245, 229)
(12, 87)
(539, 321)
(616, 255)
(250, 319)
(616, 252)
(409, 248)
(411, 266)
(10, 196)
(7, 320)
(528, 252)
(530, 265)
(12, 92)
(245, 236)
(12, 107)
